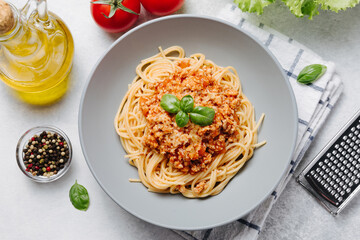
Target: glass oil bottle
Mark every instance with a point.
(36, 52)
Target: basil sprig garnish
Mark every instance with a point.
(181, 119)
(79, 196)
(170, 103)
(311, 73)
(202, 116)
(199, 115)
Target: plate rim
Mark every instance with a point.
(235, 27)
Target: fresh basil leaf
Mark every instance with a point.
(170, 103)
(311, 73)
(79, 197)
(187, 104)
(202, 116)
(181, 119)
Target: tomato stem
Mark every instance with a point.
(115, 5)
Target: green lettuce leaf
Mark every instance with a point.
(253, 6)
(302, 7)
(299, 8)
(336, 5)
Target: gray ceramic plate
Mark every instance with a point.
(263, 82)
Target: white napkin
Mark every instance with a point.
(314, 102)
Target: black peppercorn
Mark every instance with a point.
(45, 155)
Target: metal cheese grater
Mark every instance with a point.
(333, 177)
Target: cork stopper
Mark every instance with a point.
(6, 17)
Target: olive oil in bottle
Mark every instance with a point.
(36, 52)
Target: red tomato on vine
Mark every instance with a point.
(115, 15)
(162, 7)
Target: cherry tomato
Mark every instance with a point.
(115, 15)
(162, 7)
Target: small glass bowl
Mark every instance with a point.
(23, 141)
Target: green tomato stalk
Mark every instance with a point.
(115, 5)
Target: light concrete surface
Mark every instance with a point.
(37, 211)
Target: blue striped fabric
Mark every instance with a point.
(321, 97)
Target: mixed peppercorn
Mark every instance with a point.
(45, 154)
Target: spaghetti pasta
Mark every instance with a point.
(194, 161)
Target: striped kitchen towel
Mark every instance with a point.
(314, 102)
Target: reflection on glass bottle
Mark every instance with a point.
(36, 53)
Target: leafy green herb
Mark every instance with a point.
(311, 73)
(299, 8)
(202, 116)
(187, 104)
(79, 197)
(181, 119)
(170, 103)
